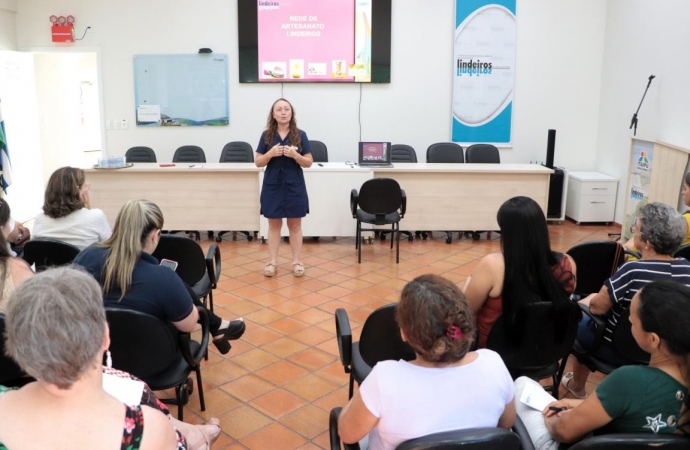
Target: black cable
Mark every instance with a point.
(359, 112)
(82, 36)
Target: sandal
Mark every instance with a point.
(298, 269)
(269, 269)
(565, 381)
(207, 438)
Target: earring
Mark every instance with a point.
(108, 359)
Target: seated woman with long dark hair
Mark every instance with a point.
(445, 388)
(132, 278)
(525, 267)
(632, 399)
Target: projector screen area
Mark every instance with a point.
(314, 41)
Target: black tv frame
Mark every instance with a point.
(248, 44)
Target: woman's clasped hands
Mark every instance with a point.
(284, 150)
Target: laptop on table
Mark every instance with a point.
(375, 154)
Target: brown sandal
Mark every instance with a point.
(269, 269)
(207, 439)
(298, 269)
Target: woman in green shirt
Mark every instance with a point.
(632, 399)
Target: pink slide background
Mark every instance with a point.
(336, 42)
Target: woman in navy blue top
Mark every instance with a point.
(284, 150)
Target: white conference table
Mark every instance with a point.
(213, 197)
(225, 196)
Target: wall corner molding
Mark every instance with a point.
(8, 5)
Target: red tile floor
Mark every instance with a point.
(276, 386)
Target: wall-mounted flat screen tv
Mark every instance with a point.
(312, 41)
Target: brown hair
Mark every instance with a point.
(430, 306)
(62, 193)
(272, 126)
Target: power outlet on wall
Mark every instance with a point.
(124, 124)
(116, 124)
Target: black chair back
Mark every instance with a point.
(470, 439)
(10, 373)
(624, 342)
(380, 196)
(482, 153)
(237, 152)
(596, 262)
(634, 441)
(154, 341)
(403, 153)
(380, 339)
(683, 252)
(191, 262)
(140, 155)
(319, 151)
(189, 153)
(538, 328)
(45, 253)
(445, 152)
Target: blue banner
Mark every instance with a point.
(484, 71)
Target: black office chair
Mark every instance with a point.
(380, 201)
(190, 154)
(469, 439)
(236, 152)
(46, 253)
(10, 373)
(379, 341)
(402, 153)
(622, 341)
(200, 272)
(445, 152)
(140, 155)
(482, 154)
(157, 353)
(614, 441)
(319, 151)
(544, 339)
(596, 262)
(683, 252)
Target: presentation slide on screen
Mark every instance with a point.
(374, 151)
(314, 40)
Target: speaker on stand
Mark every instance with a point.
(558, 183)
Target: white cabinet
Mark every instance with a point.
(591, 197)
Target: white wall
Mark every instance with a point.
(553, 88)
(8, 29)
(643, 38)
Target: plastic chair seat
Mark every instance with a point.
(378, 219)
(178, 370)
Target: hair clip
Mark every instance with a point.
(454, 332)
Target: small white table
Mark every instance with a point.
(591, 197)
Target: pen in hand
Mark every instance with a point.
(557, 409)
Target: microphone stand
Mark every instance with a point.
(633, 122)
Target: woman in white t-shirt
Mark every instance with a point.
(67, 215)
(446, 388)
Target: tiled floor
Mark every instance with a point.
(276, 386)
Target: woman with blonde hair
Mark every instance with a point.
(132, 278)
(67, 215)
(284, 150)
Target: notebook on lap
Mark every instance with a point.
(375, 154)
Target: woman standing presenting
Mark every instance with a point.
(284, 150)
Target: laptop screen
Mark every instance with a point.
(374, 153)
